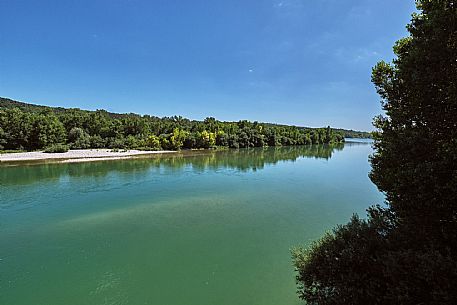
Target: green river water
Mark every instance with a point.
(206, 227)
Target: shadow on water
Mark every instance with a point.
(241, 159)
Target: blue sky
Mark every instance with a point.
(302, 62)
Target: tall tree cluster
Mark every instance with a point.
(30, 127)
(406, 251)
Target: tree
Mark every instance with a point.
(416, 149)
(153, 142)
(221, 138)
(405, 253)
(78, 138)
(341, 267)
(174, 140)
(98, 122)
(211, 124)
(3, 140)
(27, 126)
(45, 130)
(207, 139)
(16, 126)
(328, 135)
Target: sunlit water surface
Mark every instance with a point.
(192, 228)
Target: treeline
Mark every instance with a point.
(31, 127)
(354, 134)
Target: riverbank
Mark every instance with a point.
(78, 155)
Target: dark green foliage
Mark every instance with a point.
(31, 127)
(96, 141)
(45, 129)
(415, 163)
(2, 139)
(407, 252)
(79, 139)
(16, 126)
(56, 148)
(371, 262)
(326, 270)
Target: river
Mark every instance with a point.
(205, 227)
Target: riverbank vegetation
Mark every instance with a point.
(406, 251)
(32, 127)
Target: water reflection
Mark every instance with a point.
(241, 160)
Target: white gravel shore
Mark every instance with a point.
(77, 155)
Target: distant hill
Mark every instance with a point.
(6, 103)
(349, 133)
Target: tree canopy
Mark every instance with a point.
(32, 127)
(406, 251)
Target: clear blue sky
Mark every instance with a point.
(302, 62)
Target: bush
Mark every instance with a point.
(341, 268)
(371, 262)
(131, 142)
(118, 143)
(78, 138)
(97, 141)
(56, 148)
(153, 142)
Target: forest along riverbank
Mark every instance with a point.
(79, 155)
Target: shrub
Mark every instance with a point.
(131, 142)
(97, 141)
(118, 143)
(56, 148)
(153, 142)
(78, 138)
